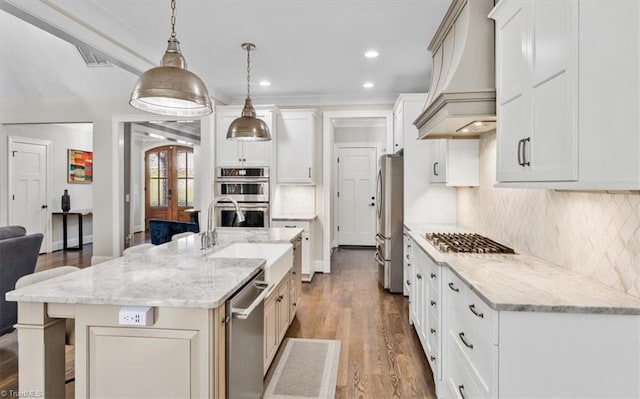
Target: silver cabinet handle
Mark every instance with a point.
(433, 358)
(433, 303)
(433, 275)
(520, 146)
(461, 390)
(309, 172)
(419, 276)
(453, 288)
(433, 331)
(468, 345)
(407, 256)
(408, 282)
(435, 169)
(472, 308)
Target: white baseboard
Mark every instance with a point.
(320, 267)
(100, 259)
(71, 242)
(334, 243)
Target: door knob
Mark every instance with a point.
(45, 206)
(372, 204)
(373, 198)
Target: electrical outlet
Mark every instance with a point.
(135, 316)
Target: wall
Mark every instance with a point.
(594, 234)
(63, 137)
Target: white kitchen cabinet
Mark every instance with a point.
(567, 75)
(454, 163)
(295, 146)
(276, 319)
(506, 354)
(241, 153)
(406, 109)
(307, 258)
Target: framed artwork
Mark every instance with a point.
(80, 166)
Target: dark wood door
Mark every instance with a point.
(169, 188)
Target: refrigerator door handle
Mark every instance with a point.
(380, 239)
(380, 261)
(379, 194)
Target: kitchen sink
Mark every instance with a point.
(279, 257)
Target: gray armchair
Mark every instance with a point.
(18, 257)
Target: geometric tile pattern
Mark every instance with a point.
(592, 233)
(292, 200)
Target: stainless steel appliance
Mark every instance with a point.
(466, 243)
(243, 184)
(389, 230)
(245, 339)
(249, 187)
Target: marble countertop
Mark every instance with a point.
(175, 274)
(523, 282)
(308, 217)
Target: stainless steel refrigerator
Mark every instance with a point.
(389, 231)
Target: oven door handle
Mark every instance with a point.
(246, 312)
(245, 180)
(378, 260)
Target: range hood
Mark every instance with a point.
(462, 96)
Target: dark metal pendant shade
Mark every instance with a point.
(247, 127)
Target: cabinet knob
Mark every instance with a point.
(433, 275)
(419, 276)
(432, 330)
(433, 303)
(408, 282)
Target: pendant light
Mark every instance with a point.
(171, 89)
(247, 127)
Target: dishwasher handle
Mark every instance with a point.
(244, 313)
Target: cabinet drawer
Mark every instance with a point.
(459, 381)
(296, 224)
(480, 355)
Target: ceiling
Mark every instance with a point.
(312, 51)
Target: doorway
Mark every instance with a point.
(29, 166)
(355, 196)
(169, 183)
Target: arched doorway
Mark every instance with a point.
(169, 184)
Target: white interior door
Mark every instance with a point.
(356, 196)
(28, 196)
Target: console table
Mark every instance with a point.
(80, 214)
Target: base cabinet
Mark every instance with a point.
(307, 269)
(276, 319)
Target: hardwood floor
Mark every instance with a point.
(380, 357)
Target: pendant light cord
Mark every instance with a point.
(248, 71)
(173, 19)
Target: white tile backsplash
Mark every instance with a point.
(592, 233)
(292, 200)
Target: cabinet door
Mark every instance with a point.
(398, 129)
(283, 308)
(553, 154)
(306, 254)
(513, 97)
(228, 152)
(270, 330)
(438, 161)
(294, 154)
(258, 153)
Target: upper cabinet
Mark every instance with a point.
(405, 111)
(295, 146)
(454, 162)
(567, 77)
(241, 153)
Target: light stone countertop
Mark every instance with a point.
(175, 274)
(308, 217)
(523, 282)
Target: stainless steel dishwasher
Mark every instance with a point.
(245, 339)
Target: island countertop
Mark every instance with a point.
(523, 282)
(175, 274)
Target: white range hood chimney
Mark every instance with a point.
(462, 96)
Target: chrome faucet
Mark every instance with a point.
(209, 238)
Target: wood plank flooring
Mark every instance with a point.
(380, 357)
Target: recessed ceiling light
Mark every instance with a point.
(478, 123)
(368, 85)
(265, 83)
(371, 54)
(465, 130)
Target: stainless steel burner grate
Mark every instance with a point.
(467, 243)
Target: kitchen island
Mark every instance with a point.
(182, 352)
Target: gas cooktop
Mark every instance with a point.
(466, 243)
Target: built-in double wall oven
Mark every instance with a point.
(249, 187)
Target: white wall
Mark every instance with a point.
(76, 136)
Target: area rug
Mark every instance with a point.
(306, 368)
